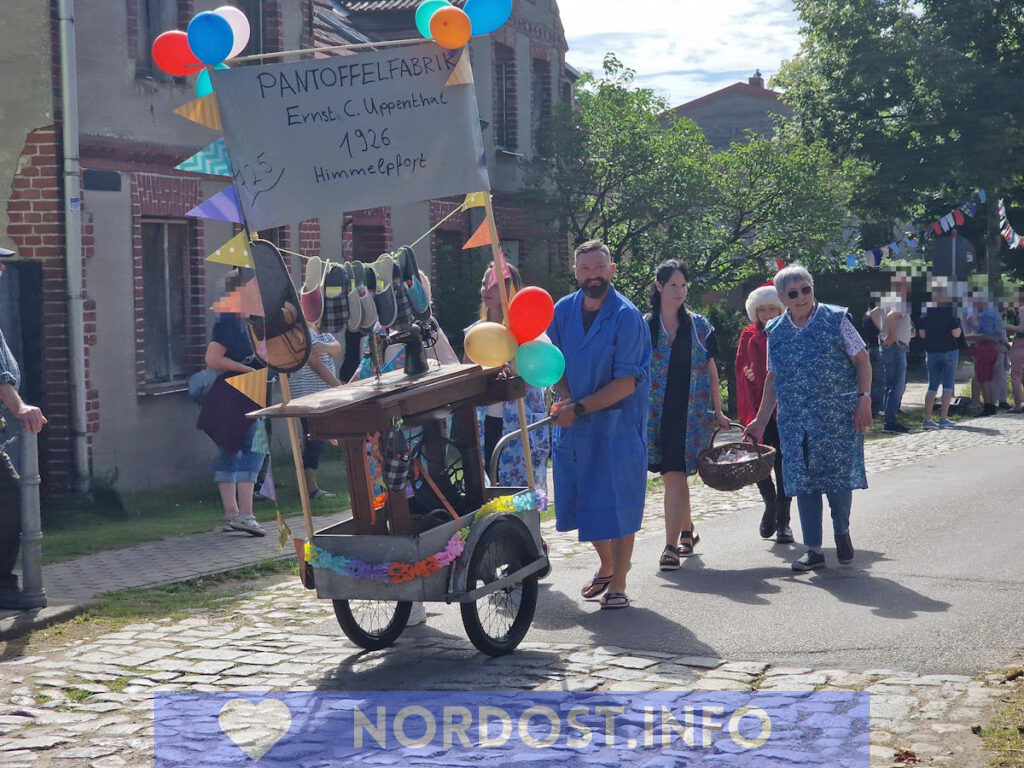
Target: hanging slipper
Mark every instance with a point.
(312, 297)
(404, 316)
(336, 310)
(369, 309)
(355, 307)
(382, 271)
(414, 287)
(281, 336)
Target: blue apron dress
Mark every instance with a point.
(600, 463)
(816, 386)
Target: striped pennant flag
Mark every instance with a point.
(212, 160)
(203, 111)
(223, 206)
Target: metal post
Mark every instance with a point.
(32, 593)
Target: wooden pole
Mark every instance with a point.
(499, 273)
(300, 476)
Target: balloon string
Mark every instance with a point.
(416, 242)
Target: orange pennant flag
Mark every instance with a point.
(232, 303)
(253, 385)
(481, 237)
(203, 111)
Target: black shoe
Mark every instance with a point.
(784, 535)
(896, 428)
(767, 527)
(809, 561)
(844, 548)
(988, 410)
(1004, 406)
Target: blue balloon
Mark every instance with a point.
(487, 15)
(204, 85)
(210, 37)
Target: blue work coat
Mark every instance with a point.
(600, 463)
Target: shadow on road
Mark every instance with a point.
(851, 584)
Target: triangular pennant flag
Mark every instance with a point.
(869, 258)
(884, 250)
(851, 261)
(475, 200)
(253, 385)
(203, 111)
(223, 207)
(971, 209)
(260, 441)
(981, 196)
(463, 72)
(780, 264)
(300, 551)
(232, 303)
(958, 217)
(877, 256)
(283, 531)
(267, 490)
(950, 220)
(481, 237)
(212, 160)
(894, 249)
(937, 227)
(235, 252)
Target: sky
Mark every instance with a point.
(682, 49)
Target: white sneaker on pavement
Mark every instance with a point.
(418, 615)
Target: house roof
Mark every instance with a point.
(740, 88)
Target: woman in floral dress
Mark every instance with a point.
(686, 402)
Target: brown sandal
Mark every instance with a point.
(595, 587)
(669, 560)
(686, 547)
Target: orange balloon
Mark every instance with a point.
(450, 27)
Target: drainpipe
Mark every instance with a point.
(73, 242)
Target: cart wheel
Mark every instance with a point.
(496, 623)
(372, 624)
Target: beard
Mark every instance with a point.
(595, 289)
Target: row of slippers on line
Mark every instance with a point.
(355, 296)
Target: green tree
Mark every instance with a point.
(923, 90)
(623, 168)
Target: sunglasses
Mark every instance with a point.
(803, 291)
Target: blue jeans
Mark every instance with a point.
(941, 370)
(810, 507)
(877, 380)
(241, 467)
(895, 360)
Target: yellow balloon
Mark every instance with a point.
(490, 344)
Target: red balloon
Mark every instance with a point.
(530, 313)
(172, 54)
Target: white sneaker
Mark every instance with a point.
(418, 615)
(929, 424)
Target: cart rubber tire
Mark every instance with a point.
(372, 640)
(503, 545)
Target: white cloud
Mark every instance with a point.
(682, 48)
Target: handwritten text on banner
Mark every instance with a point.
(314, 138)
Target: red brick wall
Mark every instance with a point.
(371, 217)
(159, 196)
(309, 238)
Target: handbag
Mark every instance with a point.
(199, 384)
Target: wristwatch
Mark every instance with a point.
(580, 410)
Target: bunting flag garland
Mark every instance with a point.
(912, 240)
(1009, 234)
(284, 532)
(223, 206)
(253, 385)
(475, 200)
(203, 111)
(463, 72)
(480, 238)
(234, 253)
(211, 160)
(267, 490)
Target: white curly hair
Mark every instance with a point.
(763, 296)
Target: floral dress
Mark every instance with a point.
(512, 465)
(681, 418)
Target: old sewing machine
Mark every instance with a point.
(433, 531)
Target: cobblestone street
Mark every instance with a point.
(90, 702)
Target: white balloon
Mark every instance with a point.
(239, 26)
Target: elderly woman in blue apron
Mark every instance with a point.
(819, 375)
(685, 404)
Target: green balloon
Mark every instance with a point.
(424, 12)
(540, 363)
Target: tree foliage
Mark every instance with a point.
(926, 91)
(623, 168)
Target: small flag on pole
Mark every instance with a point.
(480, 238)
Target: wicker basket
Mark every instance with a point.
(732, 477)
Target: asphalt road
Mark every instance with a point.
(937, 585)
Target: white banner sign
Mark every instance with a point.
(318, 137)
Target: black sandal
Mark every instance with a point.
(686, 547)
(669, 560)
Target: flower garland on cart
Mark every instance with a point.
(395, 572)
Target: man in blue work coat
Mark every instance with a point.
(600, 455)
